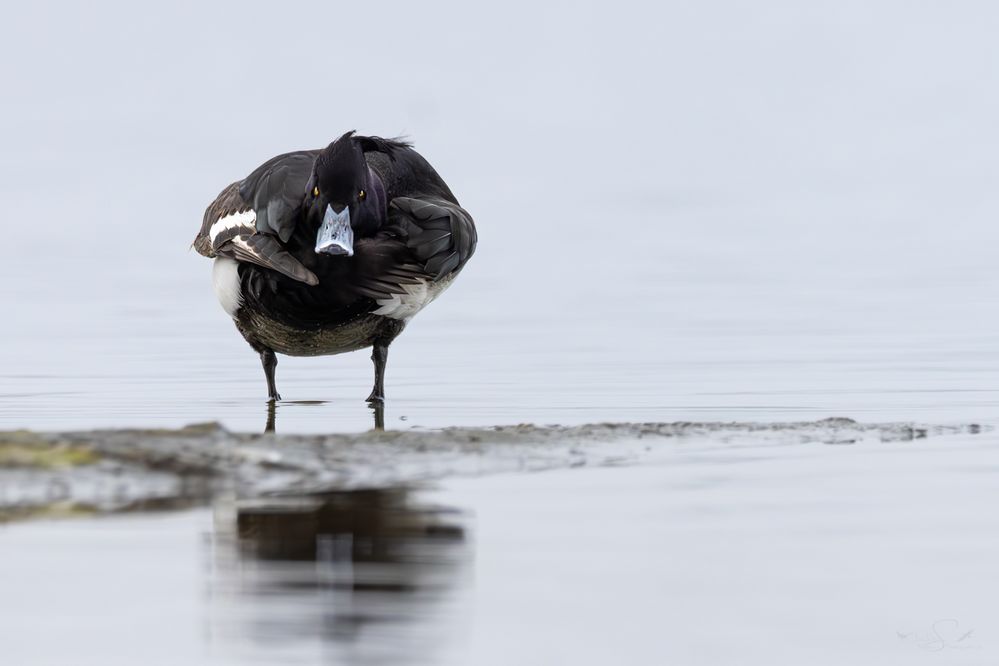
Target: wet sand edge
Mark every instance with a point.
(48, 474)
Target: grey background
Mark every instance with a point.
(689, 210)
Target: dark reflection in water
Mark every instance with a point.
(365, 576)
(271, 425)
(377, 414)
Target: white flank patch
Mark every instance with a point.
(417, 296)
(225, 278)
(247, 219)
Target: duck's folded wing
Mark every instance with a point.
(427, 241)
(441, 234)
(276, 189)
(265, 250)
(229, 229)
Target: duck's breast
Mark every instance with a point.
(357, 333)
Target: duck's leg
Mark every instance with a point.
(269, 360)
(390, 329)
(379, 354)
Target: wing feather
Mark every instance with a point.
(249, 219)
(276, 189)
(427, 240)
(228, 216)
(440, 233)
(265, 250)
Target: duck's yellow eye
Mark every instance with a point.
(315, 191)
(361, 195)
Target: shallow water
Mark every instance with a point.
(713, 551)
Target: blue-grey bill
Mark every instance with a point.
(335, 234)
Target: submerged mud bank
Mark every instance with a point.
(47, 474)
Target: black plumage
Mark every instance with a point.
(408, 239)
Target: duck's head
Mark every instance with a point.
(344, 197)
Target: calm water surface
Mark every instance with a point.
(712, 552)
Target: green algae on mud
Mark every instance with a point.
(23, 448)
(101, 471)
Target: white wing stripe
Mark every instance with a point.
(246, 218)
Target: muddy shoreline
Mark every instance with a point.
(102, 471)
